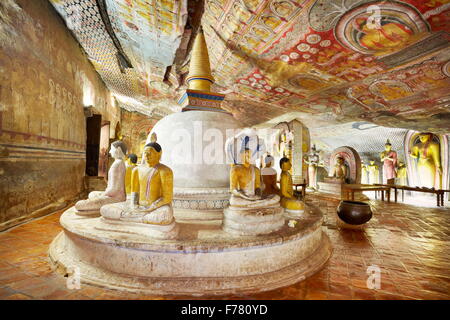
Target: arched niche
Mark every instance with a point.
(352, 161)
(411, 140)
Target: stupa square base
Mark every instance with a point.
(203, 260)
(260, 221)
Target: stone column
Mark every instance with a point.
(300, 147)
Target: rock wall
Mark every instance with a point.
(135, 129)
(46, 80)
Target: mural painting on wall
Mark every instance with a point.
(353, 42)
(135, 129)
(386, 62)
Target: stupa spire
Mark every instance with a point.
(199, 77)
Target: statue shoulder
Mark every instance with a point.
(164, 170)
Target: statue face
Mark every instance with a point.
(424, 138)
(113, 151)
(340, 161)
(388, 147)
(286, 166)
(246, 157)
(151, 156)
(372, 162)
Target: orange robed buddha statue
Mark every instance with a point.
(151, 197)
(269, 177)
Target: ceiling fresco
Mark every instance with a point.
(334, 61)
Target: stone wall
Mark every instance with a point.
(46, 81)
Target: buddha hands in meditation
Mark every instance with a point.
(151, 192)
(115, 190)
(245, 185)
(288, 199)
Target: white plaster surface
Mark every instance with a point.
(202, 260)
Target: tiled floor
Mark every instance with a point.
(410, 244)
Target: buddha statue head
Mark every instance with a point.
(372, 162)
(246, 157)
(118, 150)
(339, 161)
(388, 146)
(132, 159)
(285, 164)
(425, 137)
(152, 153)
(269, 161)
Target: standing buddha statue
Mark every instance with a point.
(389, 159)
(313, 164)
(364, 173)
(374, 173)
(429, 161)
(402, 174)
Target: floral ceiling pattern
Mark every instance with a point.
(334, 61)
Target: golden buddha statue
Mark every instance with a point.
(130, 165)
(339, 170)
(429, 161)
(288, 200)
(402, 174)
(364, 173)
(151, 193)
(115, 189)
(374, 173)
(269, 177)
(245, 185)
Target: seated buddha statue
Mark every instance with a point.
(288, 201)
(269, 177)
(151, 193)
(130, 165)
(245, 185)
(115, 189)
(339, 172)
(249, 212)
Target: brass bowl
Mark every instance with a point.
(354, 212)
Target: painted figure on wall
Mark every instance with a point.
(429, 161)
(374, 173)
(389, 159)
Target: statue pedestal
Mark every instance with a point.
(202, 260)
(200, 203)
(252, 221)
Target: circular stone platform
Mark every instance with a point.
(203, 260)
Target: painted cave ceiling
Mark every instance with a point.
(321, 61)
